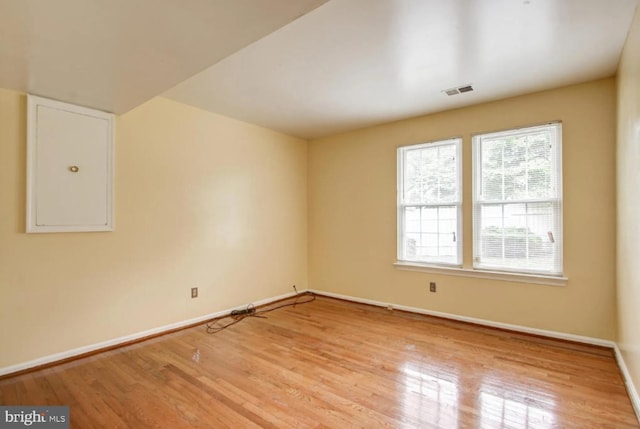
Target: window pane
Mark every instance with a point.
(517, 167)
(430, 175)
(431, 234)
(518, 236)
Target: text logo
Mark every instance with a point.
(44, 417)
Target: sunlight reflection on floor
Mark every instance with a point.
(436, 399)
(432, 398)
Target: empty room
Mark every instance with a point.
(320, 213)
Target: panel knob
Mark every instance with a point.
(74, 169)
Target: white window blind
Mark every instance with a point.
(429, 203)
(517, 200)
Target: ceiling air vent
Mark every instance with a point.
(458, 90)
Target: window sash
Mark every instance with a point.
(417, 247)
(519, 246)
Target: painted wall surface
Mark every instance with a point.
(201, 200)
(352, 214)
(629, 202)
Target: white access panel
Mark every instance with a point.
(70, 168)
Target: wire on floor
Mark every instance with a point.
(237, 316)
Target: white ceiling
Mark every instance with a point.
(115, 54)
(344, 65)
(355, 63)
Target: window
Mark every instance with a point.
(429, 203)
(517, 200)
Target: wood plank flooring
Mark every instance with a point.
(335, 364)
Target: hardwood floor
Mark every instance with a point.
(336, 364)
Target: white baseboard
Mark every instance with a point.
(484, 322)
(127, 338)
(628, 381)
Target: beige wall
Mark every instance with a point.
(352, 214)
(629, 202)
(201, 200)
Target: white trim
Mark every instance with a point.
(127, 338)
(482, 274)
(628, 381)
(484, 322)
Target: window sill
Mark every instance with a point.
(482, 274)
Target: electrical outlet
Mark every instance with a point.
(194, 292)
(432, 286)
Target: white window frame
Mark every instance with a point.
(477, 200)
(401, 156)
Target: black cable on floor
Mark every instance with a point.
(237, 316)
